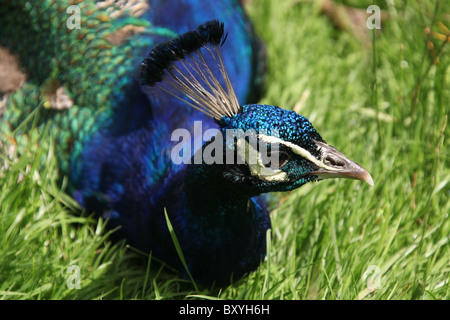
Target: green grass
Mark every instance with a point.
(385, 106)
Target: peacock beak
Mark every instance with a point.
(337, 165)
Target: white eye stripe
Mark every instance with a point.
(257, 168)
(295, 149)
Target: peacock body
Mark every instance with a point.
(116, 142)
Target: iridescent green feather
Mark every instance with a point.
(88, 63)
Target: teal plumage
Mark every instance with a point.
(115, 143)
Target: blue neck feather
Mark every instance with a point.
(125, 173)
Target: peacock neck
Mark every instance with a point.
(227, 225)
(209, 193)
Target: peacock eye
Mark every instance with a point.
(282, 156)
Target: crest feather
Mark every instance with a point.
(188, 65)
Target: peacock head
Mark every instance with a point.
(267, 148)
(279, 150)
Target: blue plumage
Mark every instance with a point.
(127, 174)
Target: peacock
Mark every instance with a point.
(164, 127)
